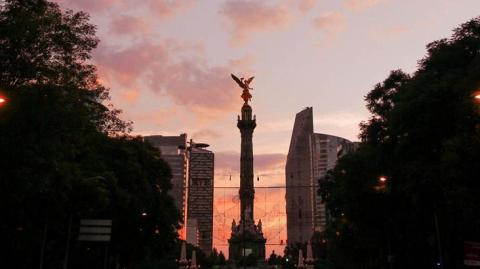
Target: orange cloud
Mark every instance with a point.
(131, 95)
(361, 4)
(246, 17)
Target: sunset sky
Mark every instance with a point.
(168, 65)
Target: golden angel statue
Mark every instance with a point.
(245, 85)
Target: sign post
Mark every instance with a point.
(96, 230)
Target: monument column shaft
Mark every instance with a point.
(246, 174)
(246, 124)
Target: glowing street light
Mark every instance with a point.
(476, 96)
(381, 186)
(2, 100)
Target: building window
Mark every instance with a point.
(205, 235)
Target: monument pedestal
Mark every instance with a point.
(247, 244)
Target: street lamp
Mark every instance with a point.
(381, 186)
(476, 96)
(3, 100)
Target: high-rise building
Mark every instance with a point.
(200, 197)
(310, 156)
(299, 175)
(326, 150)
(173, 151)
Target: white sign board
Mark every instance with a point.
(96, 230)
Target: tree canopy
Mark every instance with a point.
(423, 137)
(66, 153)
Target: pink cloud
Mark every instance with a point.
(167, 8)
(159, 8)
(264, 163)
(361, 4)
(305, 5)
(174, 69)
(129, 25)
(269, 162)
(331, 24)
(90, 5)
(127, 65)
(195, 84)
(246, 17)
(330, 21)
(227, 161)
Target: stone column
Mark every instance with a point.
(246, 124)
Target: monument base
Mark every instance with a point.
(247, 245)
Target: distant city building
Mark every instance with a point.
(325, 151)
(310, 156)
(192, 232)
(200, 197)
(173, 151)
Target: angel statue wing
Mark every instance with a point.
(247, 82)
(239, 82)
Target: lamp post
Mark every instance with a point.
(381, 187)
